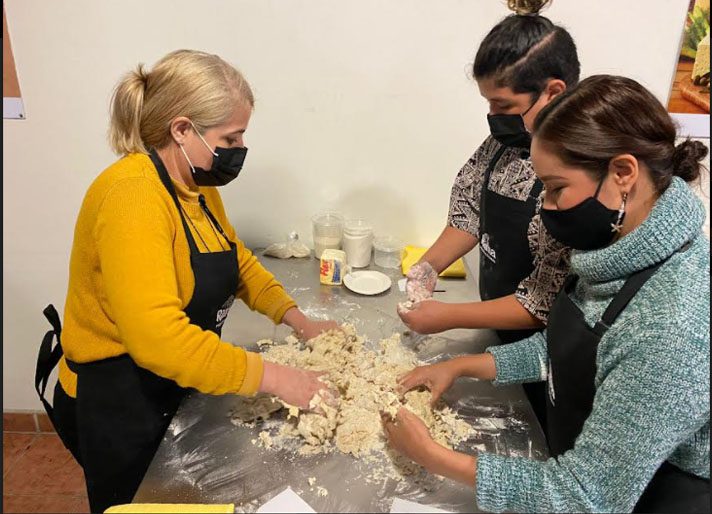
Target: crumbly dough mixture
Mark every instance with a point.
(366, 381)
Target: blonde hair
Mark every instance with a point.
(198, 85)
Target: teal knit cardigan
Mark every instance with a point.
(652, 379)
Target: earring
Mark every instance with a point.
(618, 225)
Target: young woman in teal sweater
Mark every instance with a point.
(626, 354)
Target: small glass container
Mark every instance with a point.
(388, 252)
(327, 230)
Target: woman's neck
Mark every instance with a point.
(177, 167)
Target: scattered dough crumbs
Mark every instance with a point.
(367, 383)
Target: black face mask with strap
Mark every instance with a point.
(587, 226)
(509, 129)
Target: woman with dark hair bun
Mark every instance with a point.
(626, 353)
(523, 63)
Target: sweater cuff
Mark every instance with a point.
(282, 310)
(254, 369)
(492, 487)
(274, 303)
(508, 484)
(518, 362)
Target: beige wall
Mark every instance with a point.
(361, 105)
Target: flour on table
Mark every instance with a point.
(367, 383)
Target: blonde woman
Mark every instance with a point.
(155, 267)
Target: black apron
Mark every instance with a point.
(572, 347)
(122, 411)
(506, 259)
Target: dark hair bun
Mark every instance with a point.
(524, 7)
(686, 159)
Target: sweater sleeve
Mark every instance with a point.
(651, 398)
(522, 361)
(258, 288)
(134, 231)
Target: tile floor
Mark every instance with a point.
(39, 474)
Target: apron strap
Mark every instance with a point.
(213, 219)
(627, 292)
(569, 283)
(166, 180)
(48, 357)
(485, 184)
(623, 298)
(537, 188)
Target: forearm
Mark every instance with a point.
(295, 319)
(451, 464)
(505, 313)
(450, 246)
(480, 366)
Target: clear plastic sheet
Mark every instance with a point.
(205, 458)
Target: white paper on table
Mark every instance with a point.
(401, 506)
(286, 501)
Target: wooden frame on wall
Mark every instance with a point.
(12, 106)
(689, 100)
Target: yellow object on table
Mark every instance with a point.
(412, 254)
(167, 508)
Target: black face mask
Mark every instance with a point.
(509, 129)
(227, 163)
(589, 225)
(226, 166)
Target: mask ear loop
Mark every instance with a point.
(203, 140)
(598, 189)
(533, 104)
(180, 145)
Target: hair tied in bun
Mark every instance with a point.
(527, 7)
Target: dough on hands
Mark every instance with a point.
(367, 382)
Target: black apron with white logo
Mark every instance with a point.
(122, 411)
(506, 259)
(572, 346)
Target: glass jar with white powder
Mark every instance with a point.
(358, 242)
(327, 232)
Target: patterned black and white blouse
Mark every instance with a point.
(513, 177)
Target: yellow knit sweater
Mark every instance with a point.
(130, 280)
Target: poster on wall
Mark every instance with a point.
(689, 101)
(12, 106)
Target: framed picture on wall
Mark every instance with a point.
(689, 100)
(12, 106)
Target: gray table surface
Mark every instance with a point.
(204, 458)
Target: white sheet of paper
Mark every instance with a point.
(286, 501)
(401, 506)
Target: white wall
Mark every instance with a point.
(363, 105)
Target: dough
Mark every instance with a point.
(367, 382)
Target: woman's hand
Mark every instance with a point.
(409, 436)
(436, 377)
(294, 386)
(420, 281)
(427, 317)
(313, 328)
(307, 328)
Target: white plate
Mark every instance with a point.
(367, 282)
